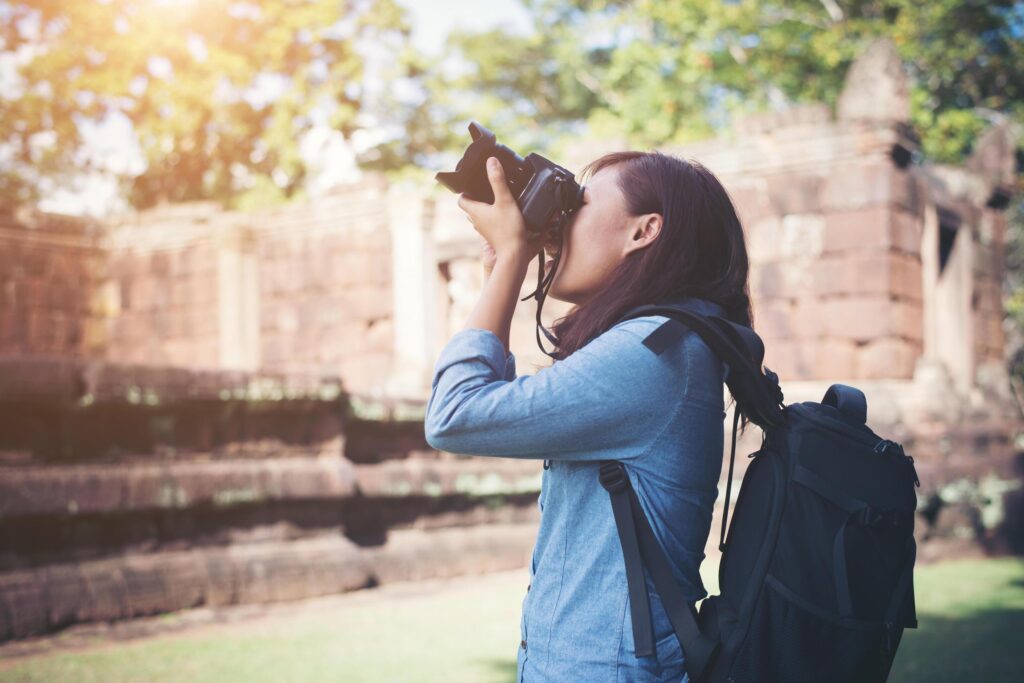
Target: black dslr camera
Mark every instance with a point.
(546, 193)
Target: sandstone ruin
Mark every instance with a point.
(206, 407)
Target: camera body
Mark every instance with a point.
(546, 193)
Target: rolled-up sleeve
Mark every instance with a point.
(605, 401)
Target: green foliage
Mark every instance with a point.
(218, 92)
(663, 72)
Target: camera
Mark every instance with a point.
(546, 193)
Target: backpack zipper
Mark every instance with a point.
(885, 444)
(878, 444)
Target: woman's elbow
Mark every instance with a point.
(439, 434)
(435, 437)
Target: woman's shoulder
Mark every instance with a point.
(688, 351)
(644, 325)
(640, 326)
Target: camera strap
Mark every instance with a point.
(543, 285)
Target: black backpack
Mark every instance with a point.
(816, 574)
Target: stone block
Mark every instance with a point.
(858, 318)
(767, 281)
(773, 318)
(906, 232)
(380, 334)
(864, 228)
(790, 359)
(763, 237)
(35, 294)
(833, 359)
(795, 193)
(907, 192)
(884, 273)
(107, 594)
(887, 358)
(864, 318)
(859, 185)
(906, 274)
(801, 236)
(806, 317)
(365, 371)
(751, 201)
(366, 302)
(23, 599)
(65, 594)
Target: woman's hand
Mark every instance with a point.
(501, 224)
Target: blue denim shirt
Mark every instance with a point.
(662, 415)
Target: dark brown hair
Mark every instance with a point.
(700, 251)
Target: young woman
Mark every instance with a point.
(653, 228)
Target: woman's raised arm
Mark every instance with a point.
(598, 403)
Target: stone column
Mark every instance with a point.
(238, 292)
(949, 332)
(410, 216)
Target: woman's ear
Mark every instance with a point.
(644, 230)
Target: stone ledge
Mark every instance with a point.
(84, 382)
(471, 477)
(44, 600)
(122, 489)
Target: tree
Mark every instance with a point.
(218, 92)
(671, 72)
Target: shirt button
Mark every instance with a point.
(522, 644)
(528, 587)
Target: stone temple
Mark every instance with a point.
(203, 407)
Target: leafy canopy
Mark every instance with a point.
(659, 72)
(218, 92)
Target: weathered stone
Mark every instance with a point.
(860, 185)
(876, 87)
(22, 597)
(887, 358)
(153, 583)
(865, 318)
(836, 359)
(863, 273)
(87, 489)
(472, 477)
(876, 228)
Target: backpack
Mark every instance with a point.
(816, 576)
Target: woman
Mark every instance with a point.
(652, 228)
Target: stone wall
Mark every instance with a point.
(135, 490)
(200, 406)
(325, 295)
(53, 271)
(304, 287)
(164, 275)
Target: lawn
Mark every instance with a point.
(971, 619)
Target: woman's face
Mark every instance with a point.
(597, 239)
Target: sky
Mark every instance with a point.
(332, 158)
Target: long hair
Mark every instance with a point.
(700, 251)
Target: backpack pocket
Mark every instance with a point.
(790, 639)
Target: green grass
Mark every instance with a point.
(971, 617)
(970, 624)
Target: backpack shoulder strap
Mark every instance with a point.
(640, 548)
(756, 391)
